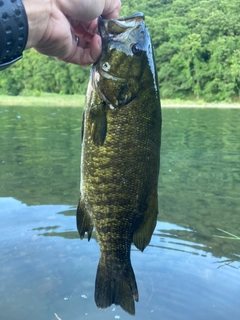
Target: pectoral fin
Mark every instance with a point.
(84, 221)
(98, 123)
(143, 234)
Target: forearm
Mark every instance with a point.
(52, 27)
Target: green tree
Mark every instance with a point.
(196, 44)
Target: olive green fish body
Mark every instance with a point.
(120, 156)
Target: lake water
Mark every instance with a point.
(186, 272)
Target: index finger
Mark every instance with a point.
(87, 10)
(112, 9)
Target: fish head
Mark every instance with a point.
(126, 64)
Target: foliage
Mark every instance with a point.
(197, 53)
(37, 73)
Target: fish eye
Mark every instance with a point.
(136, 50)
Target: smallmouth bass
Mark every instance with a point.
(121, 134)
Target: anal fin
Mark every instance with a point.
(143, 234)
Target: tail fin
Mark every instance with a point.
(116, 285)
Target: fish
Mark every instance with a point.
(120, 157)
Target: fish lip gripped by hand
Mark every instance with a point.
(118, 32)
(115, 34)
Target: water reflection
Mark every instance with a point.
(185, 273)
(166, 236)
(174, 237)
(46, 268)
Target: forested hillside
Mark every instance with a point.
(197, 53)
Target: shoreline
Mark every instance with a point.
(56, 100)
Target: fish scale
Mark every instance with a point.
(120, 156)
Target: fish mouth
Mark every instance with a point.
(110, 27)
(116, 34)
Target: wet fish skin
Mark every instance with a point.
(120, 156)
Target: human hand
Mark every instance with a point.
(67, 29)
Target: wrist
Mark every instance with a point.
(38, 14)
(13, 32)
